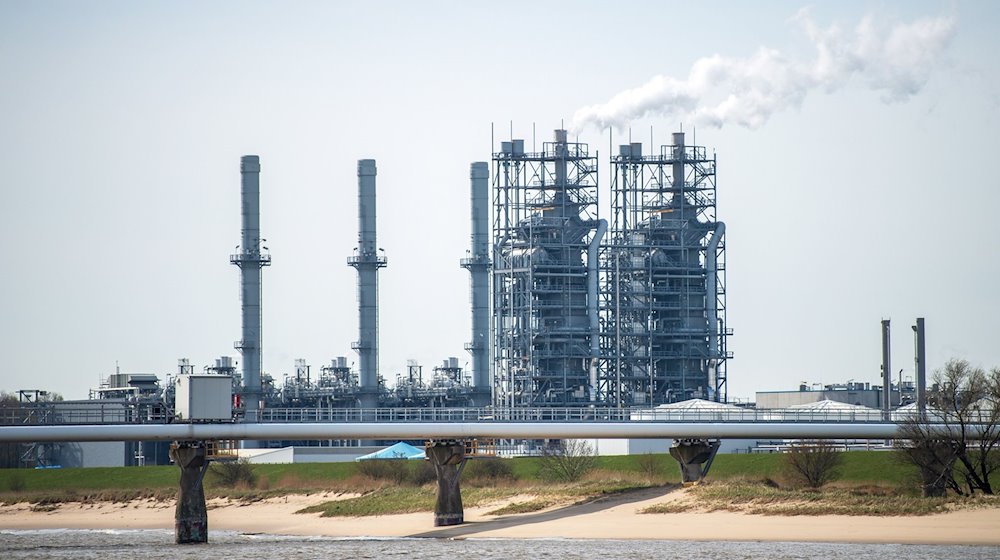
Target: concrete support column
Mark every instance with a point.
(191, 515)
(449, 460)
(695, 457)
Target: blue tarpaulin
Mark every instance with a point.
(401, 450)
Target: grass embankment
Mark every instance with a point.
(522, 496)
(870, 483)
(763, 497)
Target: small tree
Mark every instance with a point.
(933, 455)
(650, 465)
(813, 463)
(233, 474)
(956, 441)
(567, 461)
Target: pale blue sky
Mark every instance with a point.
(122, 124)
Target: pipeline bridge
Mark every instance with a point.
(447, 433)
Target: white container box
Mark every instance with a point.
(203, 398)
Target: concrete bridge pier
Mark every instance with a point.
(695, 457)
(191, 515)
(448, 458)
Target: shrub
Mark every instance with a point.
(813, 463)
(650, 465)
(567, 461)
(233, 474)
(488, 471)
(422, 472)
(16, 483)
(392, 470)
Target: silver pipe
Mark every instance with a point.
(441, 430)
(711, 289)
(711, 306)
(593, 305)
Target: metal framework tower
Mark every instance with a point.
(545, 217)
(665, 297)
(251, 257)
(478, 265)
(367, 261)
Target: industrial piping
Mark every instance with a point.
(251, 256)
(478, 264)
(593, 305)
(367, 261)
(454, 430)
(711, 294)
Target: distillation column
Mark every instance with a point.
(367, 261)
(251, 256)
(665, 278)
(545, 211)
(478, 265)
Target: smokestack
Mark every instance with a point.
(920, 359)
(367, 261)
(251, 256)
(478, 265)
(678, 169)
(886, 370)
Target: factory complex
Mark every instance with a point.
(569, 311)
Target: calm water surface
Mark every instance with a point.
(112, 544)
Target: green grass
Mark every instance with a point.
(756, 497)
(616, 473)
(410, 499)
(386, 501)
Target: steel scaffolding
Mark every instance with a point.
(545, 214)
(664, 296)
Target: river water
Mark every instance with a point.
(114, 544)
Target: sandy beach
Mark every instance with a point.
(614, 517)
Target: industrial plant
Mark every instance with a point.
(566, 311)
(570, 310)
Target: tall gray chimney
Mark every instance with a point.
(367, 261)
(478, 265)
(250, 257)
(920, 357)
(886, 370)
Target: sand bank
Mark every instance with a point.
(611, 518)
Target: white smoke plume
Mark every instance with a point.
(895, 61)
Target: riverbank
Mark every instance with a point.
(611, 517)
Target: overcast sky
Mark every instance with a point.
(856, 149)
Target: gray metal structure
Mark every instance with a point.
(545, 208)
(478, 265)
(665, 294)
(920, 359)
(886, 370)
(367, 260)
(251, 257)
